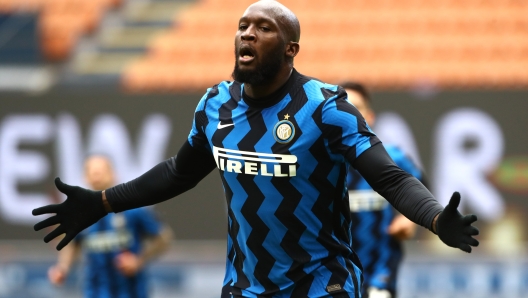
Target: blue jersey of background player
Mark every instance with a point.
(376, 229)
(113, 247)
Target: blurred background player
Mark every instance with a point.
(376, 230)
(117, 247)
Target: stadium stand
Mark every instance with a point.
(387, 44)
(186, 45)
(60, 22)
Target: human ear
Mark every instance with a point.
(292, 49)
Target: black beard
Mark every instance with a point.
(265, 70)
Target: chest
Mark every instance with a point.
(112, 233)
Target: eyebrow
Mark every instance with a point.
(259, 19)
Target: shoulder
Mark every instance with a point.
(317, 90)
(220, 92)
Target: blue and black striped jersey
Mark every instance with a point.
(283, 164)
(380, 254)
(107, 238)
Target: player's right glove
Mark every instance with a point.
(455, 229)
(82, 208)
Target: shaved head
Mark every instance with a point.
(290, 27)
(266, 42)
(98, 172)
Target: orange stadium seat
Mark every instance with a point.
(388, 44)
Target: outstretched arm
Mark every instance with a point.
(84, 207)
(166, 180)
(414, 201)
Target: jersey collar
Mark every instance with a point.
(273, 98)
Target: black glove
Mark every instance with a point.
(454, 229)
(81, 209)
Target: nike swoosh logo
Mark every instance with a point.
(220, 125)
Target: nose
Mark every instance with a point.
(248, 34)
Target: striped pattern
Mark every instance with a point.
(288, 234)
(379, 253)
(103, 280)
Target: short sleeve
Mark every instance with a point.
(346, 130)
(197, 137)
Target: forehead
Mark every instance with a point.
(97, 162)
(259, 13)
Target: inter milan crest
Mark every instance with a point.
(284, 130)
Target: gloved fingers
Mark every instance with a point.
(469, 219)
(53, 234)
(454, 201)
(471, 230)
(46, 223)
(470, 240)
(67, 238)
(63, 187)
(46, 209)
(464, 247)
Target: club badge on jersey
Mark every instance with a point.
(284, 131)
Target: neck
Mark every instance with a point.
(260, 91)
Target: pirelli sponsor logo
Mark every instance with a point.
(366, 200)
(255, 163)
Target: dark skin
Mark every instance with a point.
(262, 28)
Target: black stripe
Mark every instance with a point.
(239, 257)
(225, 115)
(327, 93)
(259, 230)
(200, 117)
(319, 179)
(227, 290)
(331, 220)
(339, 274)
(291, 199)
(353, 259)
(335, 133)
(302, 287)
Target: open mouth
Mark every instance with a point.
(245, 54)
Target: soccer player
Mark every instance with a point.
(376, 230)
(114, 248)
(282, 143)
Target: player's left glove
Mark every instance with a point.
(455, 229)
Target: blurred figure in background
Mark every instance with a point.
(376, 230)
(114, 246)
